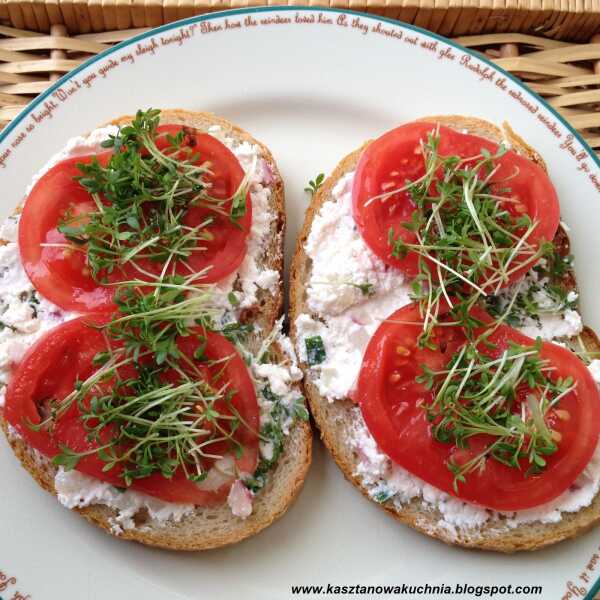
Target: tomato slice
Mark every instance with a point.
(64, 355)
(395, 158)
(49, 370)
(391, 401)
(61, 274)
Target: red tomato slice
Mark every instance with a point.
(61, 275)
(64, 355)
(395, 158)
(390, 400)
(48, 370)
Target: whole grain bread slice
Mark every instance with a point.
(213, 527)
(335, 420)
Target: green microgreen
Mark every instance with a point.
(506, 397)
(471, 233)
(153, 406)
(315, 184)
(159, 409)
(315, 350)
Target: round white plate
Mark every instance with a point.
(313, 85)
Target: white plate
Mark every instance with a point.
(313, 85)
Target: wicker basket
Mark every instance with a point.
(574, 20)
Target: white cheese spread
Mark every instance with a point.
(25, 316)
(76, 490)
(386, 480)
(252, 274)
(341, 261)
(345, 318)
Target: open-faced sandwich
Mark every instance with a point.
(145, 380)
(434, 310)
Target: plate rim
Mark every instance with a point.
(287, 8)
(39, 99)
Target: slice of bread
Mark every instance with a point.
(213, 527)
(205, 528)
(336, 420)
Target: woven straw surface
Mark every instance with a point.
(575, 20)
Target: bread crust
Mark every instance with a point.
(335, 419)
(213, 527)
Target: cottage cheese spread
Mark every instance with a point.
(345, 318)
(25, 316)
(76, 490)
(342, 313)
(252, 275)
